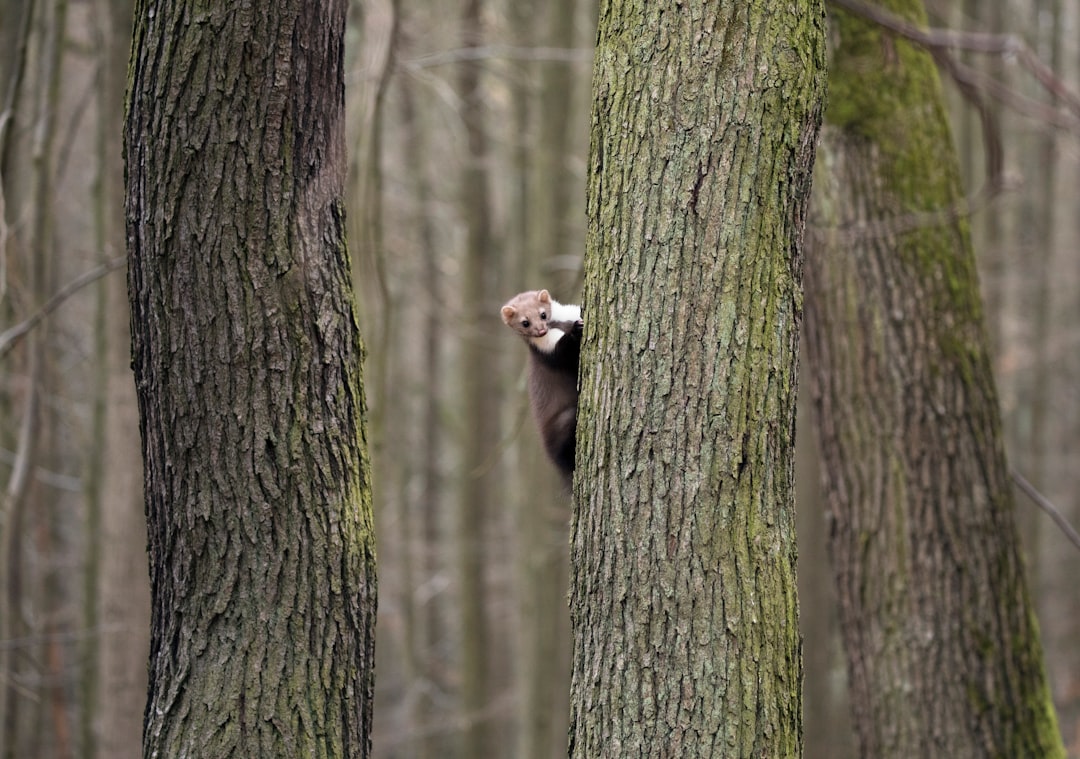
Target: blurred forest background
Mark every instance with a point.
(468, 141)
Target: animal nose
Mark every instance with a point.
(541, 331)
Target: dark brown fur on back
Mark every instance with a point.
(553, 395)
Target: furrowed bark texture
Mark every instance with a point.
(943, 650)
(247, 363)
(684, 608)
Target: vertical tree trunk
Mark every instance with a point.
(16, 407)
(247, 366)
(991, 18)
(684, 607)
(1055, 406)
(480, 418)
(118, 585)
(1031, 269)
(53, 730)
(543, 507)
(426, 508)
(33, 710)
(828, 731)
(943, 651)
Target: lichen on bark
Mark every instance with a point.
(683, 599)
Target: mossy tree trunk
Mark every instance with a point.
(943, 650)
(684, 609)
(247, 361)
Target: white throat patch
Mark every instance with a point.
(547, 343)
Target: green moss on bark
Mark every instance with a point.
(929, 571)
(684, 604)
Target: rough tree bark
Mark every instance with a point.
(943, 651)
(247, 361)
(684, 608)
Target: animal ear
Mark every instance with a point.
(544, 296)
(508, 313)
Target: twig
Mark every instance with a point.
(1005, 45)
(503, 52)
(1043, 503)
(972, 84)
(10, 337)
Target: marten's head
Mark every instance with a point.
(528, 313)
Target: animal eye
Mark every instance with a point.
(543, 315)
(525, 323)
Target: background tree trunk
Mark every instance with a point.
(480, 424)
(684, 607)
(425, 508)
(118, 591)
(247, 365)
(550, 209)
(828, 731)
(943, 650)
(34, 715)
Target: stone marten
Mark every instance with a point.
(553, 333)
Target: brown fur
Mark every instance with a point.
(553, 333)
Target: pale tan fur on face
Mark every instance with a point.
(528, 313)
(531, 315)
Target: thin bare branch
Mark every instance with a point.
(1011, 46)
(974, 87)
(501, 52)
(1044, 503)
(11, 336)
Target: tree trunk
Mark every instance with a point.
(828, 731)
(247, 363)
(480, 418)
(426, 506)
(994, 228)
(34, 713)
(1055, 405)
(543, 506)
(943, 651)
(684, 608)
(118, 586)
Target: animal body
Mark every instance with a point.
(553, 333)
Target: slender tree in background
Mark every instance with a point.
(684, 609)
(943, 650)
(827, 726)
(32, 511)
(548, 137)
(428, 628)
(480, 402)
(247, 365)
(118, 587)
(1038, 374)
